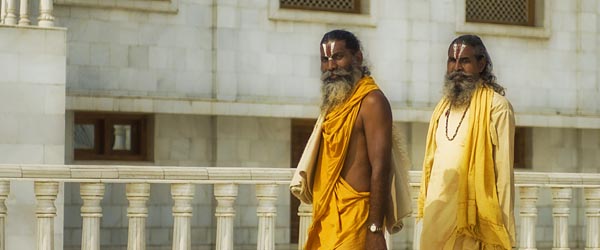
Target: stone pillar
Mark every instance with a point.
(528, 214)
(183, 194)
(137, 212)
(305, 214)
(91, 213)
(24, 13)
(46, 19)
(45, 193)
(4, 191)
(225, 194)
(11, 12)
(266, 212)
(592, 215)
(2, 11)
(415, 190)
(561, 198)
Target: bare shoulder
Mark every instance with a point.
(376, 100)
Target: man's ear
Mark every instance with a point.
(482, 64)
(359, 57)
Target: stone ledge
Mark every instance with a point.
(169, 6)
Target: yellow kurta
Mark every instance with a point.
(339, 212)
(441, 202)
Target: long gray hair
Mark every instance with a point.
(481, 52)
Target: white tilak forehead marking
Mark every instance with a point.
(331, 48)
(455, 47)
(462, 48)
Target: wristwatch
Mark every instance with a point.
(373, 228)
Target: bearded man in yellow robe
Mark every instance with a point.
(351, 180)
(467, 190)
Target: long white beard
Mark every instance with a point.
(335, 91)
(459, 88)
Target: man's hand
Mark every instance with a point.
(375, 241)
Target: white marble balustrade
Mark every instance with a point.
(17, 12)
(266, 182)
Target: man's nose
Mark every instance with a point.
(458, 66)
(331, 65)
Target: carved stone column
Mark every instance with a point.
(91, 213)
(45, 193)
(2, 11)
(137, 212)
(183, 194)
(561, 198)
(11, 12)
(528, 214)
(592, 215)
(225, 194)
(24, 13)
(4, 191)
(266, 212)
(305, 214)
(46, 19)
(415, 190)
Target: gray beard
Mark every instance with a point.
(335, 91)
(459, 88)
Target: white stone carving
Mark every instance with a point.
(137, 194)
(592, 215)
(24, 13)
(528, 214)
(266, 212)
(91, 213)
(305, 214)
(4, 191)
(183, 194)
(46, 19)
(225, 194)
(45, 193)
(561, 198)
(11, 13)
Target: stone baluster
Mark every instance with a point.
(91, 213)
(592, 215)
(46, 19)
(24, 13)
(305, 214)
(266, 212)
(11, 12)
(415, 190)
(183, 194)
(2, 11)
(137, 194)
(4, 191)
(225, 194)
(45, 193)
(561, 198)
(528, 213)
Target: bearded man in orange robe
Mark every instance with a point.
(351, 180)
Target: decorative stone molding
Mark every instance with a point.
(528, 213)
(414, 191)
(4, 191)
(46, 19)
(305, 214)
(592, 215)
(170, 6)
(45, 193)
(503, 30)
(266, 212)
(561, 198)
(137, 194)
(91, 213)
(367, 19)
(183, 194)
(225, 194)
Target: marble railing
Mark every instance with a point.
(13, 12)
(266, 181)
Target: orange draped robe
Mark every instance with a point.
(339, 212)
